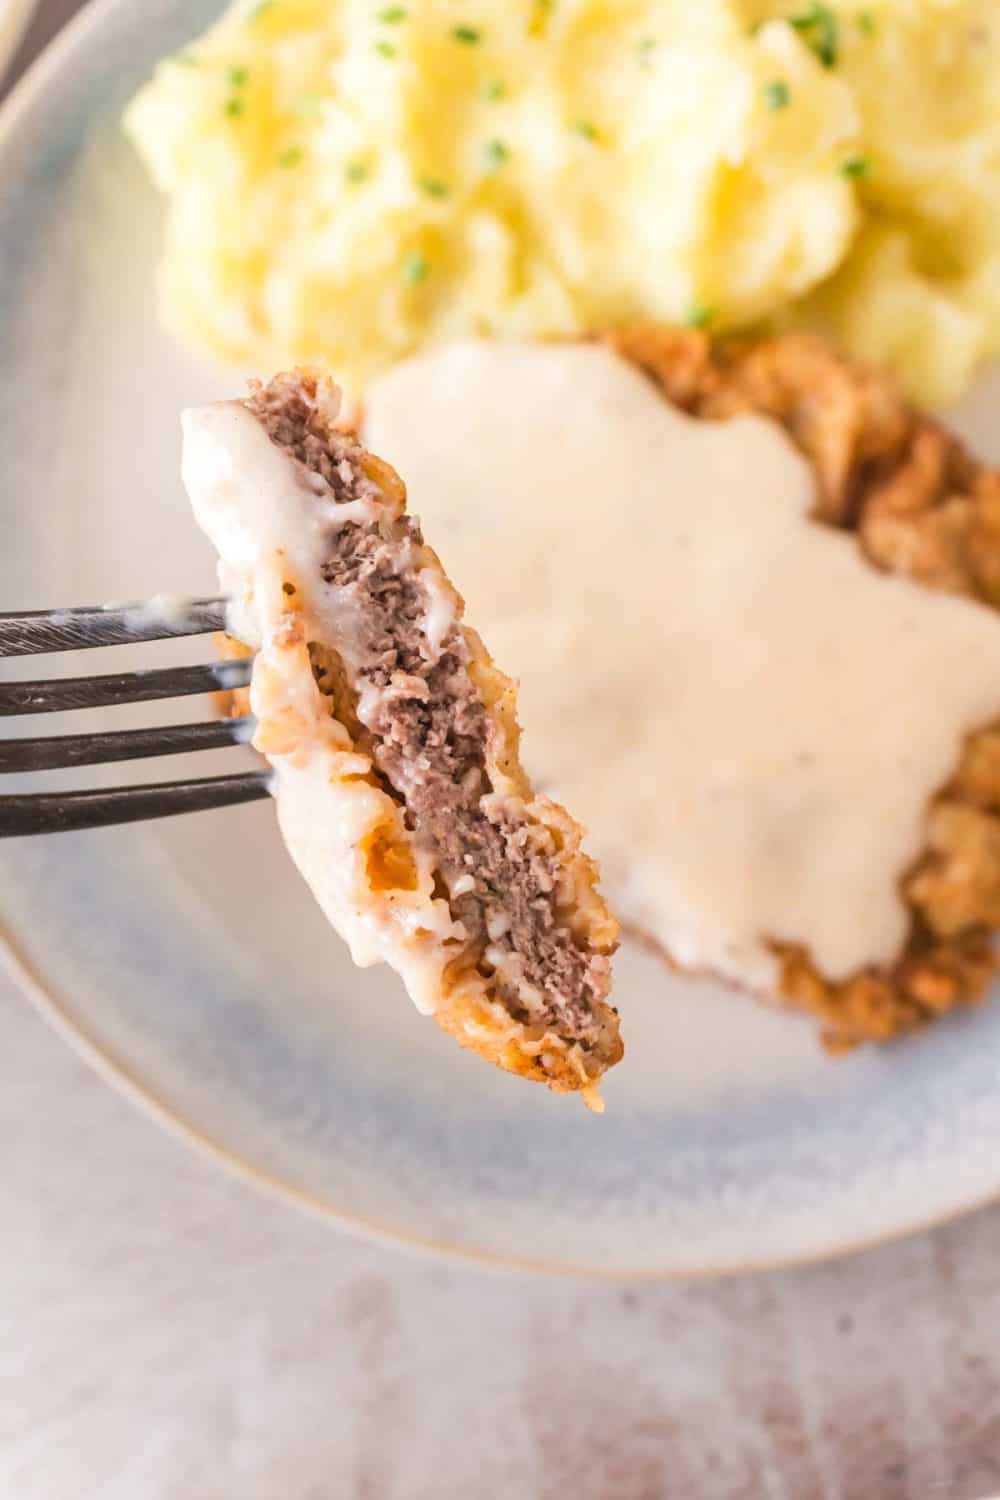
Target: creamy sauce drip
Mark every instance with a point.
(271, 521)
(750, 719)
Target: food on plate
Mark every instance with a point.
(751, 597)
(355, 181)
(394, 741)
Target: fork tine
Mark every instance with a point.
(121, 687)
(57, 751)
(31, 631)
(64, 812)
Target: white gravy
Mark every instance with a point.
(269, 519)
(750, 718)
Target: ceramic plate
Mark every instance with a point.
(189, 960)
(14, 16)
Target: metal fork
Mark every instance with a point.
(70, 629)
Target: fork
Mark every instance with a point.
(28, 633)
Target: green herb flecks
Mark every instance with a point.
(391, 15)
(309, 104)
(237, 76)
(356, 171)
(698, 315)
(588, 130)
(865, 22)
(777, 94)
(855, 166)
(494, 89)
(434, 187)
(416, 268)
(185, 59)
(470, 35)
(495, 153)
(260, 9)
(645, 48)
(234, 107)
(384, 48)
(290, 157)
(817, 27)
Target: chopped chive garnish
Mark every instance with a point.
(234, 107)
(777, 94)
(356, 171)
(470, 35)
(391, 15)
(495, 153)
(866, 22)
(236, 77)
(385, 49)
(855, 166)
(699, 315)
(415, 269)
(434, 187)
(818, 28)
(290, 157)
(645, 47)
(260, 9)
(494, 89)
(587, 129)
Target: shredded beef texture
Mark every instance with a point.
(429, 731)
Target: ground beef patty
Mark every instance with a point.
(409, 695)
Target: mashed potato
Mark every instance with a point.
(353, 180)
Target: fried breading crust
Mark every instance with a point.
(473, 1004)
(919, 505)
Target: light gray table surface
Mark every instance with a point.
(167, 1334)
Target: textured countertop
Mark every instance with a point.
(167, 1334)
(170, 1335)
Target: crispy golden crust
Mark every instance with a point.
(921, 506)
(233, 703)
(474, 1002)
(532, 1054)
(472, 1020)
